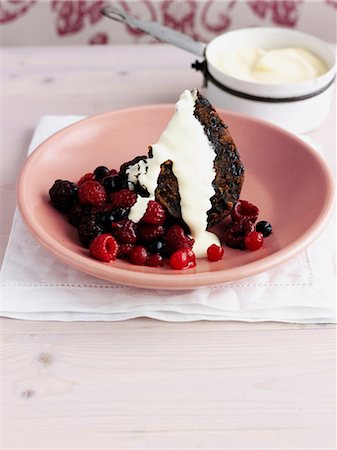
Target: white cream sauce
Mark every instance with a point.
(185, 144)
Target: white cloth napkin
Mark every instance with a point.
(36, 286)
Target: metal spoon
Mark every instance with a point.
(155, 29)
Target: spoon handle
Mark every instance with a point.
(155, 29)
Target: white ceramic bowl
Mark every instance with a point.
(298, 107)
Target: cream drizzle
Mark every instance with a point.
(187, 146)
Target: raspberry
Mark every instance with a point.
(175, 239)
(88, 229)
(180, 260)
(123, 198)
(104, 247)
(63, 194)
(154, 213)
(235, 233)
(77, 212)
(214, 252)
(155, 260)
(254, 240)
(138, 255)
(124, 250)
(147, 232)
(124, 231)
(245, 210)
(264, 227)
(87, 177)
(92, 193)
(100, 172)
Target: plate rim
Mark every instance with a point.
(164, 280)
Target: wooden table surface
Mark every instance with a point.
(143, 384)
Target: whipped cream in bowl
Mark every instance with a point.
(280, 75)
(271, 66)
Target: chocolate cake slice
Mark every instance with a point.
(228, 168)
(228, 165)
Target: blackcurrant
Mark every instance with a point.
(100, 172)
(264, 227)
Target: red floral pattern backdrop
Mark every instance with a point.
(200, 19)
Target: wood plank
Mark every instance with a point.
(18, 327)
(152, 385)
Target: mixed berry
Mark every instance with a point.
(98, 206)
(63, 194)
(242, 233)
(215, 252)
(264, 227)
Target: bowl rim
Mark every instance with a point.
(173, 281)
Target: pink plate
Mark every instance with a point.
(288, 180)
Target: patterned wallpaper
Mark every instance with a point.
(55, 22)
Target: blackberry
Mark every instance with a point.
(107, 217)
(264, 227)
(121, 213)
(100, 172)
(77, 212)
(108, 184)
(113, 184)
(63, 194)
(88, 229)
